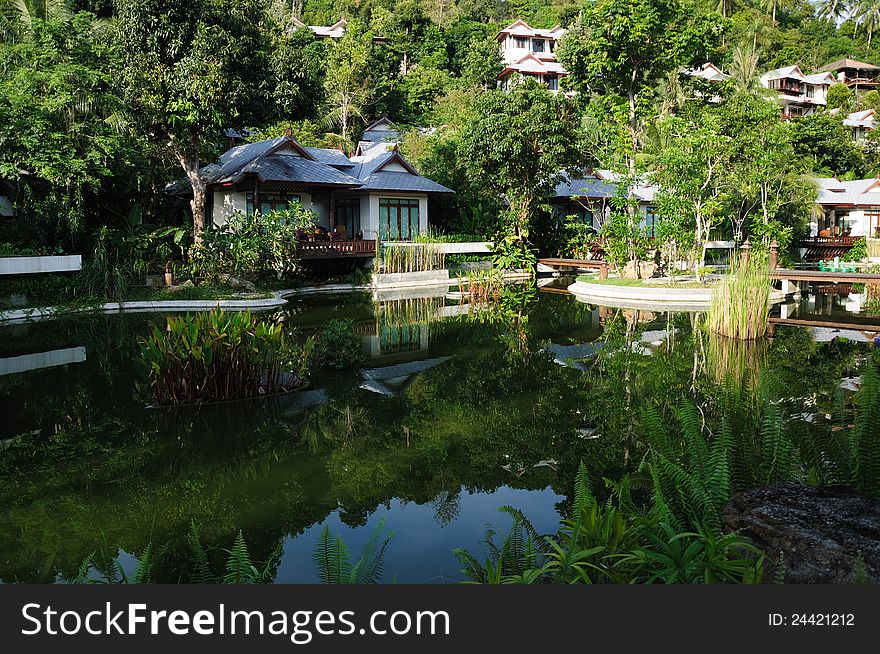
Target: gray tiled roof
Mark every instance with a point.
(394, 181)
(588, 188)
(270, 162)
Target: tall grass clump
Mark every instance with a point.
(740, 305)
(409, 311)
(481, 286)
(872, 247)
(217, 356)
(415, 257)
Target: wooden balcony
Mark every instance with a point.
(341, 249)
(821, 248)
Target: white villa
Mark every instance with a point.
(375, 194)
(530, 52)
(847, 208)
(708, 72)
(861, 122)
(798, 94)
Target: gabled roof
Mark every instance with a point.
(788, 72)
(279, 159)
(850, 63)
(382, 132)
(522, 28)
(820, 78)
(866, 119)
(335, 31)
(373, 174)
(600, 185)
(532, 65)
(858, 192)
(283, 159)
(709, 72)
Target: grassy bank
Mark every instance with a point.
(639, 283)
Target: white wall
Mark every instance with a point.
(512, 54)
(227, 203)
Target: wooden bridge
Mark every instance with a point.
(823, 277)
(596, 264)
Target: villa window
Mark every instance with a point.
(811, 90)
(537, 45)
(398, 219)
(348, 215)
(520, 42)
(650, 221)
(552, 82)
(270, 202)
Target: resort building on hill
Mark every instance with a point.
(847, 209)
(332, 32)
(530, 52)
(798, 94)
(861, 122)
(708, 72)
(857, 75)
(375, 194)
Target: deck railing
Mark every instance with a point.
(336, 249)
(830, 241)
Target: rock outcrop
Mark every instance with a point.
(827, 534)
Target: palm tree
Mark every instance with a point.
(833, 10)
(17, 16)
(867, 14)
(744, 68)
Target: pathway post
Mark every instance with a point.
(744, 254)
(774, 255)
(603, 271)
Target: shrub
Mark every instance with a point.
(858, 251)
(337, 346)
(261, 245)
(217, 356)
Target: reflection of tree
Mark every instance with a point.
(447, 506)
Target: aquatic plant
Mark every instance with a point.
(408, 258)
(337, 345)
(217, 356)
(481, 286)
(740, 305)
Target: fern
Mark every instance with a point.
(201, 573)
(239, 569)
(332, 558)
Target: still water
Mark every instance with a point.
(456, 414)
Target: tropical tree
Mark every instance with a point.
(348, 84)
(59, 124)
(192, 68)
(17, 16)
(618, 50)
(517, 145)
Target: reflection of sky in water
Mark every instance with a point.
(421, 550)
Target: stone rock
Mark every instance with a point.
(238, 282)
(827, 535)
(155, 281)
(187, 284)
(646, 270)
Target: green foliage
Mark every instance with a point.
(337, 346)
(611, 543)
(217, 356)
(261, 245)
(334, 562)
(858, 251)
(840, 96)
(511, 252)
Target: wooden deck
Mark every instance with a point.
(346, 249)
